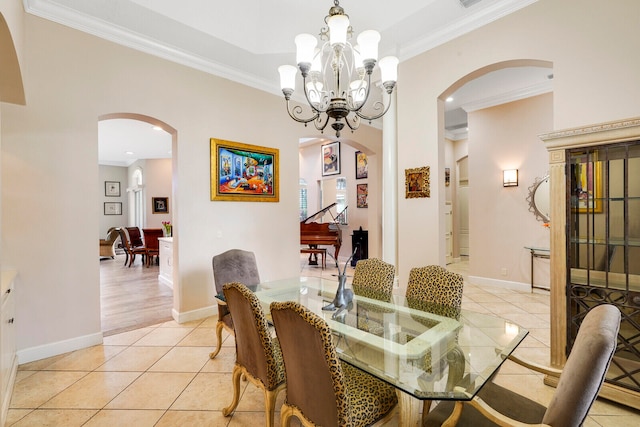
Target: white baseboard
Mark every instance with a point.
(189, 316)
(496, 283)
(53, 349)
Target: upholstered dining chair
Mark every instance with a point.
(579, 383)
(435, 287)
(372, 278)
(437, 290)
(151, 236)
(129, 249)
(258, 355)
(322, 390)
(234, 265)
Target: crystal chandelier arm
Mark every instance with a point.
(355, 120)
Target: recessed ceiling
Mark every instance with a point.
(246, 41)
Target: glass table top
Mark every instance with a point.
(426, 350)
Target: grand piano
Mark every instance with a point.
(315, 233)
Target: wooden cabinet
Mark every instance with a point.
(8, 359)
(166, 261)
(595, 242)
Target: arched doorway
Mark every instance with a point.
(141, 160)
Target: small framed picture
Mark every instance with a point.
(331, 159)
(362, 170)
(160, 205)
(113, 208)
(417, 182)
(363, 194)
(112, 188)
(447, 177)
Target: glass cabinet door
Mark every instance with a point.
(603, 226)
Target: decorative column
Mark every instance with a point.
(390, 184)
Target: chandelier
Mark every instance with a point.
(337, 76)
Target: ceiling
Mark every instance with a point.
(244, 41)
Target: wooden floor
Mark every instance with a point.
(132, 297)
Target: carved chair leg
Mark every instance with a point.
(235, 379)
(219, 328)
(270, 404)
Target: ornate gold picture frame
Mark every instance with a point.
(417, 182)
(243, 172)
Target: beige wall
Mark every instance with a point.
(595, 81)
(500, 224)
(50, 172)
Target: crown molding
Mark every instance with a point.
(465, 25)
(99, 28)
(514, 95)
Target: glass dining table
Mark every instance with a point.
(426, 351)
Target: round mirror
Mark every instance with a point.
(539, 199)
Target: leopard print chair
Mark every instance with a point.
(438, 290)
(372, 278)
(258, 355)
(322, 390)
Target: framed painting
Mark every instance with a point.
(243, 172)
(417, 182)
(362, 193)
(331, 159)
(362, 169)
(160, 205)
(447, 177)
(586, 183)
(112, 188)
(113, 208)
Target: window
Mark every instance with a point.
(303, 199)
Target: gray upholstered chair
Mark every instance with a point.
(578, 384)
(322, 390)
(258, 355)
(234, 265)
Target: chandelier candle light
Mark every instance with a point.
(337, 76)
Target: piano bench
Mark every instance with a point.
(321, 251)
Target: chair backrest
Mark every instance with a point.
(315, 380)
(151, 236)
(255, 349)
(235, 265)
(435, 284)
(135, 238)
(373, 278)
(112, 235)
(586, 367)
(124, 238)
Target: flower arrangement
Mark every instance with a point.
(167, 228)
(546, 224)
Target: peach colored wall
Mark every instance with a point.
(500, 224)
(50, 172)
(595, 81)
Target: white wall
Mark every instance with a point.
(117, 174)
(594, 82)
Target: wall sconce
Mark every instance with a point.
(510, 178)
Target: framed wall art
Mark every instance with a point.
(112, 188)
(362, 193)
(243, 172)
(586, 183)
(113, 208)
(417, 182)
(362, 167)
(160, 205)
(447, 177)
(331, 159)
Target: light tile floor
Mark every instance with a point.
(162, 375)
